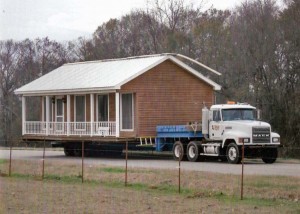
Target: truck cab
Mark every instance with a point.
(234, 125)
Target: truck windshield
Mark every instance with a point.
(238, 114)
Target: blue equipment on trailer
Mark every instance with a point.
(168, 134)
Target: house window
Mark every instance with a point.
(59, 114)
(79, 111)
(127, 112)
(102, 108)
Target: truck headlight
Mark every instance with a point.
(244, 140)
(276, 139)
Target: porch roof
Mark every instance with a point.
(103, 75)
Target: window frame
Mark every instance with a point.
(75, 120)
(97, 106)
(216, 117)
(121, 112)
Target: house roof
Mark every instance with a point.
(103, 75)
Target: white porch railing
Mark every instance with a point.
(71, 128)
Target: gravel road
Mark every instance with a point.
(251, 167)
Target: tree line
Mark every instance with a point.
(256, 47)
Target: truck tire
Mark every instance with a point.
(192, 151)
(179, 151)
(269, 155)
(233, 154)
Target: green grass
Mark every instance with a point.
(259, 191)
(113, 170)
(3, 161)
(162, 189)
(122, 170)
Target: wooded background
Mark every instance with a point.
(256, 47)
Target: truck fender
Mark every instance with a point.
(233, 136)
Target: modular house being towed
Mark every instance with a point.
(110, 100)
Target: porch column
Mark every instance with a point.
(92, 113)
(117, 114)
(68, 114)
(47, 114)
(23, 115)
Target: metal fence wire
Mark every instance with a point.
(86, 166)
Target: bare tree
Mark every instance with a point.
(9, 57)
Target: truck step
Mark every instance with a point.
(204, 154)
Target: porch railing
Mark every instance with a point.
(70, 128)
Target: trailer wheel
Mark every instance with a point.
(179, 151)
(233, 154)
(192, 151)
(68, 151)
(269, 155)
(77, 150)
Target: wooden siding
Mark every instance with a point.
(112, 107)
(166, 95)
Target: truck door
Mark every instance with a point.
(215, 126)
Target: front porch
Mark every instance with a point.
(103, 129)
(76, 115)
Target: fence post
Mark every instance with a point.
(43, 168)
(179, 165)
(242, 181)
(126, 159)
(82, 160)
(10, 156)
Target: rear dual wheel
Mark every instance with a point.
(179, 151)
(193, 151)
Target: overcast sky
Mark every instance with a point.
(65, 20)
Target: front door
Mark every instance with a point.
(59, 115)
(215, 126)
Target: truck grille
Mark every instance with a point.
(261, 135)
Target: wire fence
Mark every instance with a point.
(87, 165)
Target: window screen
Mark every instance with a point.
(80, 108)
(127, 111)
(102, 107)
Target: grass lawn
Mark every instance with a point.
(148, 191)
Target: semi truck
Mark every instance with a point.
(224, 130)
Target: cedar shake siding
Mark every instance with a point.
(166, 95)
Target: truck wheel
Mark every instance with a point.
(192, 151)
(179, 151)
(233, 154)
(269, 155)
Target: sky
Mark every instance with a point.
(65, 20)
